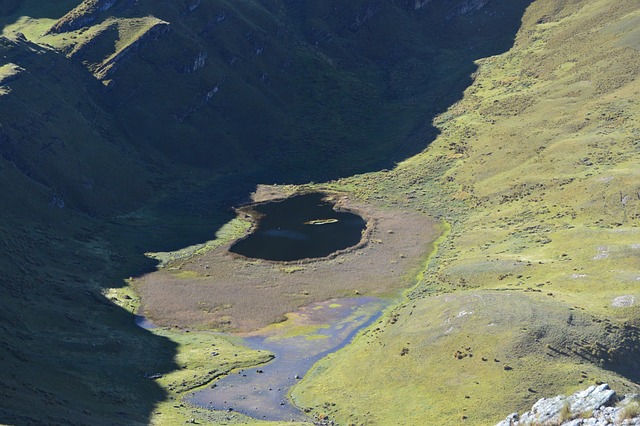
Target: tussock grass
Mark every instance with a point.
(630, 411)
(565, 413)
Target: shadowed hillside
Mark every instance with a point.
(272, 84)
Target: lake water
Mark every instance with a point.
(300, 227)
(306, 337)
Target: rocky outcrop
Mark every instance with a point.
(467, 7)
(419, 4)
(195, 64)
(190, 6)
(595, 406)
(362, 15)
(459, 7)
(200, 101)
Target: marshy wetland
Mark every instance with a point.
(217, 289)
(297, 344)
(298, 311)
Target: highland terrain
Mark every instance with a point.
(493, 144)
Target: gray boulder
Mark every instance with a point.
(591, 407)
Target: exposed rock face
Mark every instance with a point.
(363, 15)
(593, 407)
(460, 7)
(191, 6)
(467, 7)
(196, 63)
(418, 4)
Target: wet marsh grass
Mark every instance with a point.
(216, 289)
(201, 358)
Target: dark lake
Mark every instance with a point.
(300, 227)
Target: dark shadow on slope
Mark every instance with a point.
(68, 355)
(298, 91)
(623, 355)
(419, 82)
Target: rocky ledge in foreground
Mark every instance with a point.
(595, 406)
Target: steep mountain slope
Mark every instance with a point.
(535, 289)
(273, 84)
(61, 169)
(56, 136)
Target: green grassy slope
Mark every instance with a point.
(537, 171)
(55, 135)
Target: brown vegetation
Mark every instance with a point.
(224, 291)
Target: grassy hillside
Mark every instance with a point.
(540, 271)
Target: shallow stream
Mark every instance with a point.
(308, 335)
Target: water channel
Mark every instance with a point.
(307, 336)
